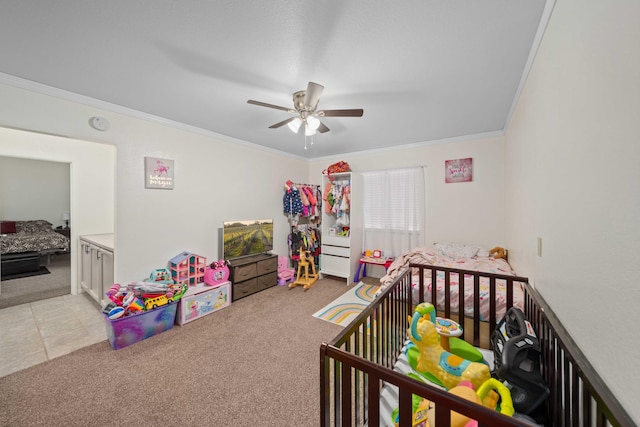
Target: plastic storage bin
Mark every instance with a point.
(131, 329)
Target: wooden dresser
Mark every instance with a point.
(252, 274)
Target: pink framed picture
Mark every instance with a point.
(459, 170)
(158, 173)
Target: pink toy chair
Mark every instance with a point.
(285, 273)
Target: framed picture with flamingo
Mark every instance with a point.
(158, 173)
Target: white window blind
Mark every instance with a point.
(394, 209)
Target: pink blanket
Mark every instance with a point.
(431, 255)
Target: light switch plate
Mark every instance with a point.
(540, 247)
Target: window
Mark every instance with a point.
(394, 210)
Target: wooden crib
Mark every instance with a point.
(356, 364)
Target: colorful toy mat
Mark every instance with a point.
(345, 308)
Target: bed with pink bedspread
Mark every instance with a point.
(459, 257)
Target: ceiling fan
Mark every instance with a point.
(305, 103)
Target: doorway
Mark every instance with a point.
(92, 178)
(36, 190)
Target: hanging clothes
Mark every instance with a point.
(306, 193)
(337, 193)
(301, 200)
(292, 203)
(305, 237)
(310, 195)
(305, 202)
(328, 197)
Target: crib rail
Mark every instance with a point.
(579, 396)
(471, 335)
(355, 365)
(351, 366)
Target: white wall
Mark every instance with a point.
(572, 177)
(91, 176)
(469, 212)
(34, 189)
(216, 179)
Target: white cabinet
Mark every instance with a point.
(86, 257)
(341, 253)
(96, 265)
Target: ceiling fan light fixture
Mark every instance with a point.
(294, 124)
(305, 103)
(313, 122)
(308, 131)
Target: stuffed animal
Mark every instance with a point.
(498, 252)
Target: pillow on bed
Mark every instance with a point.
(483, 252)
(7, 227)
(33, 227)
(460, 250)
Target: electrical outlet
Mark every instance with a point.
(540, 247)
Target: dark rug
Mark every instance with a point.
(40, 271)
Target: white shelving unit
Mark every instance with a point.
(340, 254)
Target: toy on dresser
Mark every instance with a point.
(216, 273)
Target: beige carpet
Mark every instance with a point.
(255, 363)
(36, 288)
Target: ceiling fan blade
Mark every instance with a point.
(356, 112)
(323, 128)
(264, 104)
(282, 123)
(314, 90)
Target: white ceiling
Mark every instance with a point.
(422, 70)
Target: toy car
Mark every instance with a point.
(155, 302)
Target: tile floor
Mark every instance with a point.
(39, 331)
